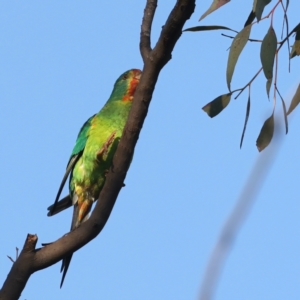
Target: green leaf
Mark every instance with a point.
(268, 51)
(297, 31)
(285, 117)
(214, 6)
(250, 19)
(214, 107)
(246, 120)
(258, 7)
(284, 112)
(236, 48)
(206, 28)
(268, 86)
(296, 47)
(297, 37)
(267, 55)
(266, 134)
(295, 101)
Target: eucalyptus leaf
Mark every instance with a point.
(268, 86)
(214, 6)
(207, 28)
(296, 47)
(214, 107)
(267, 55)
(266, 134)
(250, 19)
(295, 101)
(246, 120)
(236, 48)
(284, 112)
(258, 7)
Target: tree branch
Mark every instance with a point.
(31, 260)
(20, 272)
(145, 42)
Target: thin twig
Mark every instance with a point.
(10, 258)
(232, 37)
(248, 84)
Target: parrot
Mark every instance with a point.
(93, 153)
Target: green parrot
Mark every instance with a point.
(93, 153)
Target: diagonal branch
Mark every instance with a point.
(31, 260)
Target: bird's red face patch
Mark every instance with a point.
(135, 75)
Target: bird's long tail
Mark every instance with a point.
(64, 267)
(67, 259)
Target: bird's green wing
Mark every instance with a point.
(82, 138)
(76, 154)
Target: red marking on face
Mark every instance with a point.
(132, 85)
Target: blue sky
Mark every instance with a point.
(59, 61)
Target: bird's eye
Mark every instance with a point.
(125, 77)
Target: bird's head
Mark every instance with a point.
(127, 83)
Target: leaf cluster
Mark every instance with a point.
(269, 50)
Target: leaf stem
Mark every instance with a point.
(248, 84)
